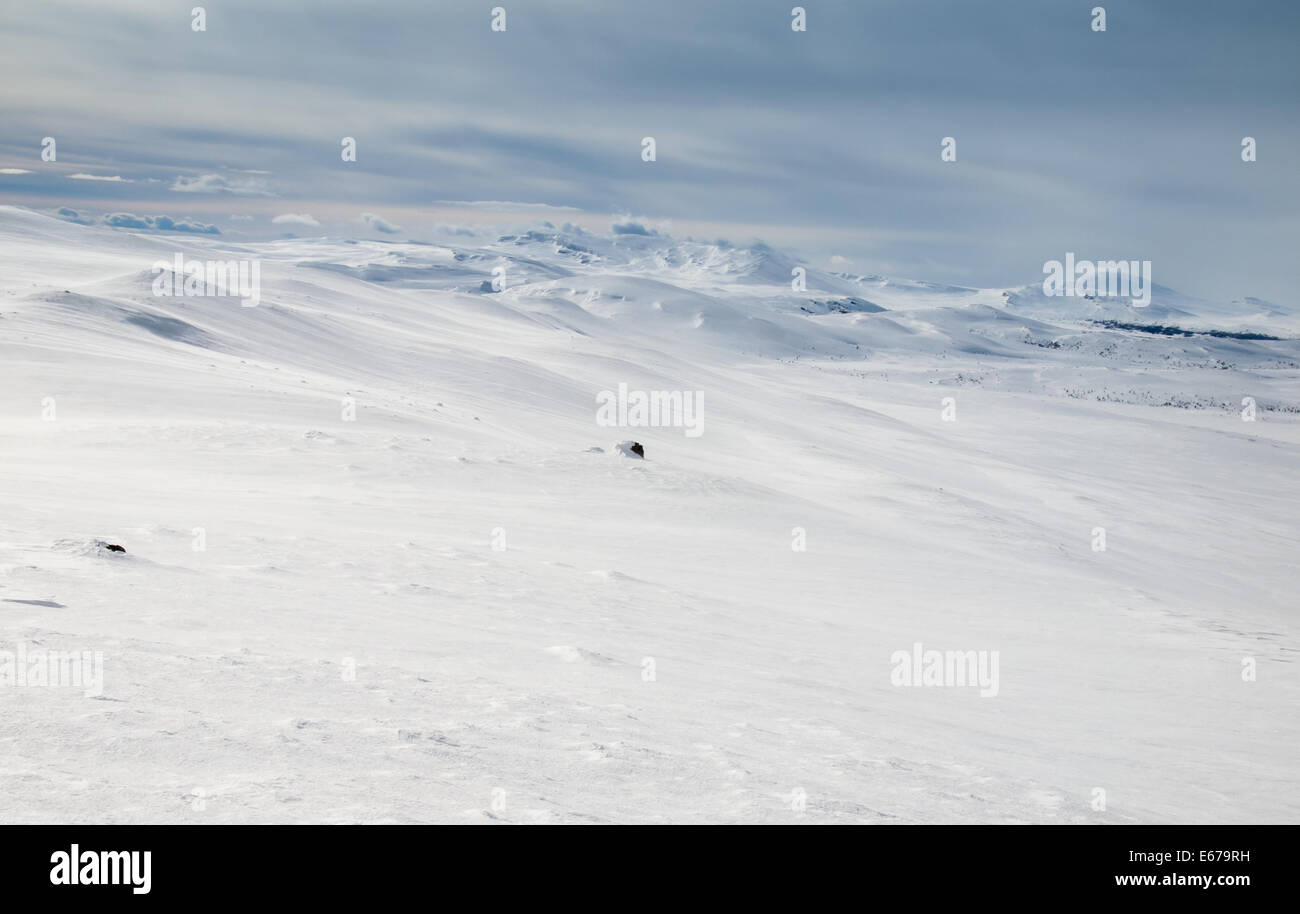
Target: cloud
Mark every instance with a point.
(158, 223)
(380, 224)
(167, 224)
(766, 150)
(128, 220)
(71, 215)
(839, 261)
(504, 206)
(81, 176)
(218, 184)
(14, 171)
(296, 219)
(631, 228)
(461, 230)
(240, 217)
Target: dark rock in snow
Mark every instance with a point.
(847, 305)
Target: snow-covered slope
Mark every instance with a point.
(423, 596)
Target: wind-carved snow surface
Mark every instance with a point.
(460, 603)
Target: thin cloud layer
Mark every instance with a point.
(218, 184)
(1122, 143)
(296, 219)
(380, 224)
(153, 223)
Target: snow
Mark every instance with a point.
(466, 606)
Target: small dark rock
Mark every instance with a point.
(113, 547)
(638, 449)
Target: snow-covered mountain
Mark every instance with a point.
(383, 563)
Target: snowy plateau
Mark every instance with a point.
(383, 564)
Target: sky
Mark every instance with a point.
(1122, 144)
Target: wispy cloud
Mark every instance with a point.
(219, 184)
(380, 224)
(828, 140)
(628, 227)
(296, 219)
(71, 215)
(82, 176)
(460, 231)
(154, 223)
(505, 206)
